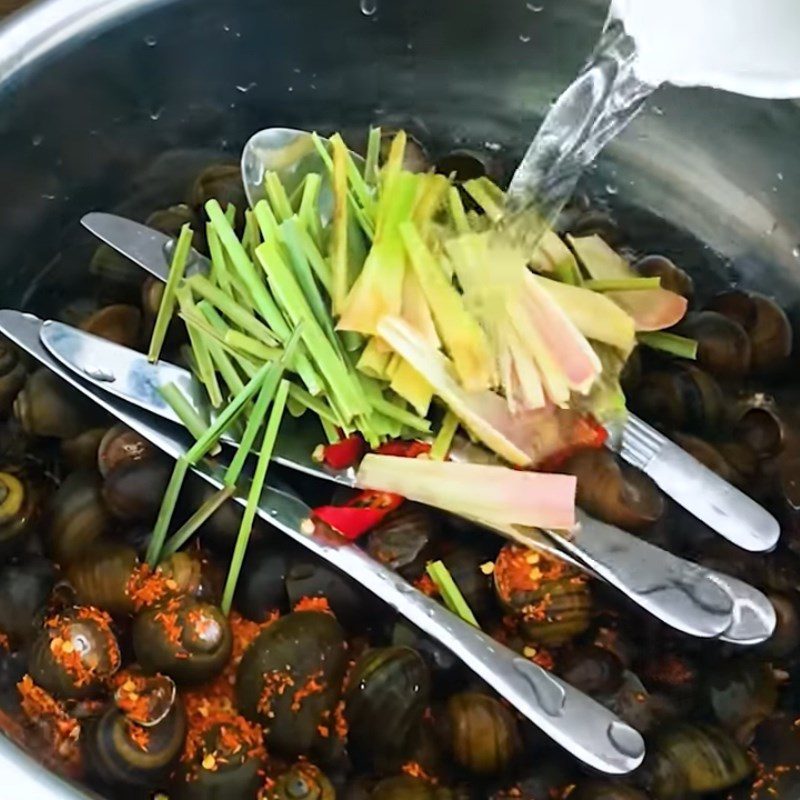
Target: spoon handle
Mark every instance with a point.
(654, 579)
(579, 724)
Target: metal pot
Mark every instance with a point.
(113, 104)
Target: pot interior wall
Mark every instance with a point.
(124, 117)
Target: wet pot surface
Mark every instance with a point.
(124, 115)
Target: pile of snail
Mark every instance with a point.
(135, 682)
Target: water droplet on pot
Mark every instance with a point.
(150, 40)
(796, 252)
(532, 7)
(368, 7)
(612, 190)
(245, 88)
(524, 39)
(154, 115)
(37, 139)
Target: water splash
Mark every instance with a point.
(368, 7)
(595, 107)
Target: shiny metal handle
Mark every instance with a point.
(724, 508)
(685, 595)
(581, 725)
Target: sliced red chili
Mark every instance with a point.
(406, 449)
(586, 434)
(360, 514)
(344, 453)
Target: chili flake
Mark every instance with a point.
(320, 604)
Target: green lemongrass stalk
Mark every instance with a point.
(315, 404)
(331, 433)
(225, 304)
(622, 284)
(283, 283)
(457, 213)
(269, 386)
(278, 199)
(196, 521)
(254, 495)
(318, 263)
(340, 283)
(220, 328)
(211, 435)
(230, 214)
(450, 592)
(247, 344)
(309, 207)
(373, 154)
(266, 220)
(202, 355)
(225, 367)
(251, 237)
(244, 268)
(669, 343)
(168, 503)
(361, 190)
(167, 305)
(406, 418)
(481, 192)
(219, 270)
(322, 151)
(290, 230)
(184, 410)
(444, 438)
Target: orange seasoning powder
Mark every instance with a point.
(320, 604)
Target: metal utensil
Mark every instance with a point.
(711, 499)
(681, 594)
(579, 724)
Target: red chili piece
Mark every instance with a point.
(359, 515)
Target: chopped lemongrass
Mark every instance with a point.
(202, 355)
(184, 410)
(457, 213)
(340, 282)
(374, 359)
(247, 344)
(277, 197)
(266, 220)
(411, 386)
(305, 277)
(485, 414)
(451, 594)
(309, 206)
(224, 420)
(519, 497)
(219, 269)
(356, 180)
(256, 417)
(670, 343)
(459, 330)
(434, 191)
(230, 214)
(254, 495)
(196, 521)
(331, 434)
(343, 388)
(595, 315)
(251, 237)
(167, 305)
(401, 415)
(651, 309)
(225, 367)
(243, 267)
(622, 284)
(231, 309)
(315, 404)
(480, 190)
(552, 255)
(320, 266)
(168, 503)
(444, 438)
(373, 154)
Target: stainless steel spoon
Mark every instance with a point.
(681, 594)
(753, 613)
(582, 726)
